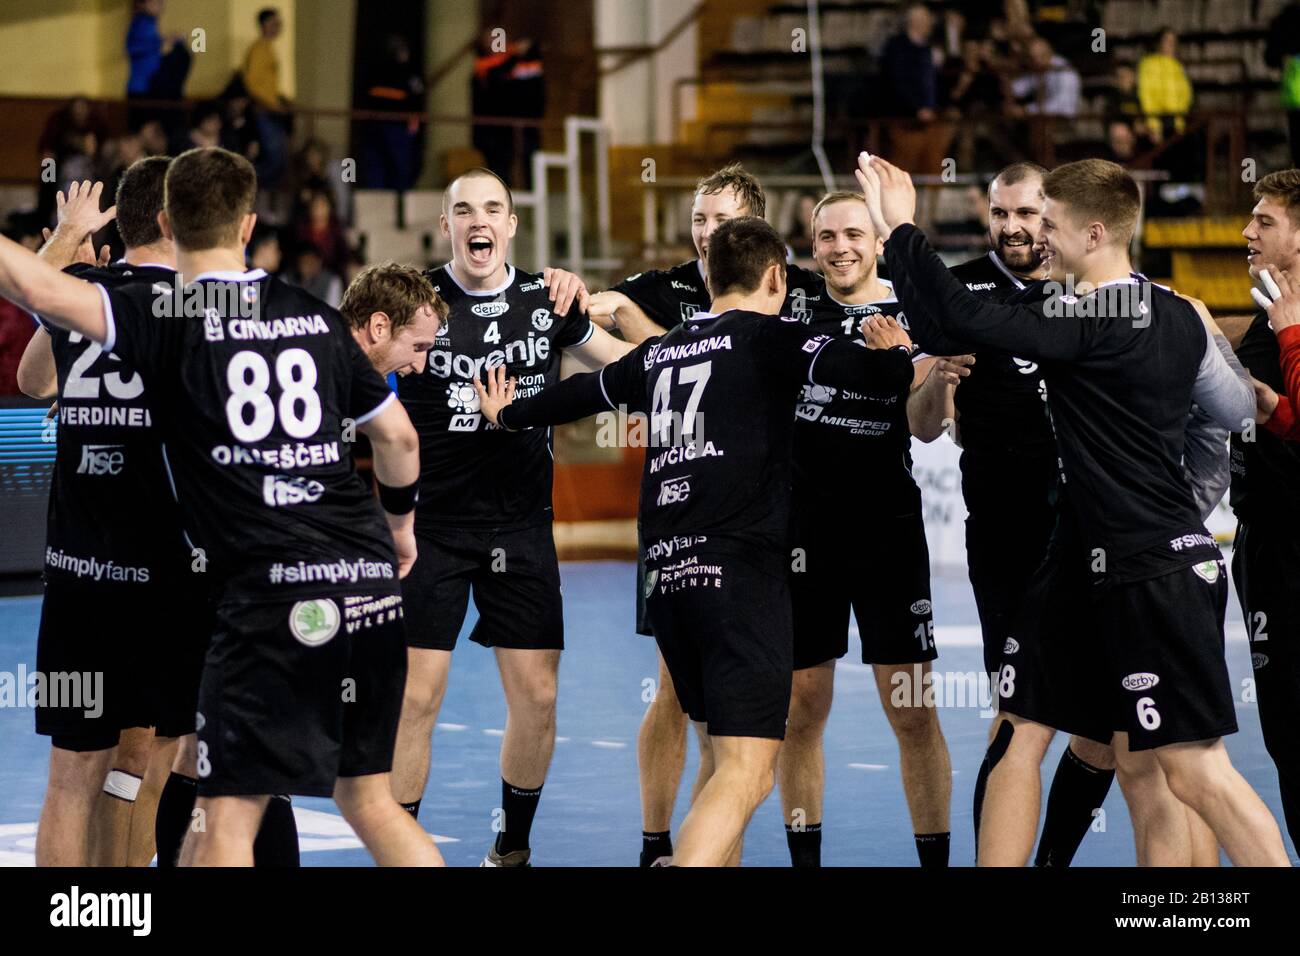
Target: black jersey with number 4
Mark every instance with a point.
(720, 393)
(859, 432)
(1265, 470)
(112, 519)
(669, 297)
(474, 475)
(256, 402)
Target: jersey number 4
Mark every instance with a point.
(249, 377)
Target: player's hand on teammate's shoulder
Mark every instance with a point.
(602, 306)
(564, 288)
(496, 394)
(951, 369)
(884, 332)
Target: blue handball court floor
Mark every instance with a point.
(589, 813)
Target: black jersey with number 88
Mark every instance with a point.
(258, 397)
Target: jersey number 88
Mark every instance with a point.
(249, 376)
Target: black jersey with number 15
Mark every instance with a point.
(256, 401)
(474, 475)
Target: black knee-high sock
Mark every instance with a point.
(805, 845)
(1078, 789)
(172, 819)
(655, 845)
(519, 807)
(413, 808)
(277, 840)
(932, 849)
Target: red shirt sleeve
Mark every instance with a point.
(1283, 422)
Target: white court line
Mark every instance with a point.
(494, 732)
(318, 830)
(611, 744)
(452, 727)
(869, 766)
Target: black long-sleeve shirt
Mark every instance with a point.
(720, 392)
(1122, 368)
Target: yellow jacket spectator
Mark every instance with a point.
(1163, 88)
(261, 70)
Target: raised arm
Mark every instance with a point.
(59, 298)
(37, 375)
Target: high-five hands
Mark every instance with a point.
(891, 197)
(497, 394)
(1280, 298)
(884, 332)
(79, 218)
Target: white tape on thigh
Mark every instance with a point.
(123, 785)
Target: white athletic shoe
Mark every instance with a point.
(515, 858)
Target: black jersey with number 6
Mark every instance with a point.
(473, 475)
(256, 397)
(112, 520)
(720, 393)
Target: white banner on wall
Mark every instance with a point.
(935, 468)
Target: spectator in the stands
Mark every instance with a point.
(264, 251)
(205, 130)
(261, 75)
(310, 273)
(238, 121)
(390, 157)
(1163, 88)
(312, 173)
(159, 65)
(510, 81)
(1120, 100)
(70, 140)
(1121, 142)
(153, 139)
(971, 86)
(1050, 85)
(319, 228)
(1282, 52)
(918, 139)
(799, 238)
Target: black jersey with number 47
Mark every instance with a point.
(720, 392)
(256, 401)
(112, 520)
(474, 475)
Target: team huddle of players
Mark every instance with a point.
(287, 626)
